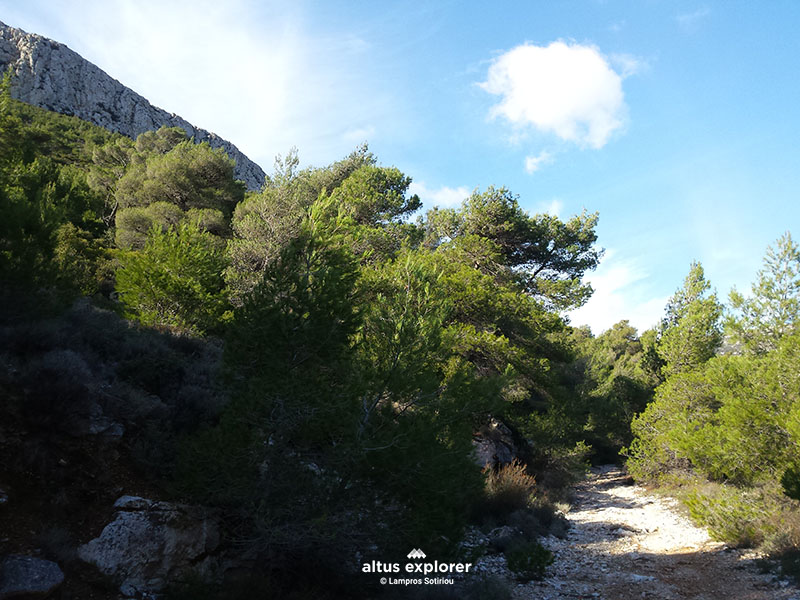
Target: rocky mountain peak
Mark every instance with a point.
(49, 75)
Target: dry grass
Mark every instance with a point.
(508, 488)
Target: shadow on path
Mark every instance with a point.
(625, 544)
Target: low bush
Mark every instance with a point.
(746, 517)
(790, 481)
(561, 468)
(508, 489)
(730, 515)
(529, 560)
(541, 519)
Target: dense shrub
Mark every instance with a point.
(63, 369)
(175, 280)
(508, 488)
(529, 560)
(731, 515)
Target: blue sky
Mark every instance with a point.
(677, 121)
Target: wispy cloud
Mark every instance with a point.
(534, 163)
(690, 21)
(361, 134)
(627, 64)
(553, 208)
(568, 90)
(620, 292)
(443, 197)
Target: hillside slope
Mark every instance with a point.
(50, 75)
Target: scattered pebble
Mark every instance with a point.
(624, 544)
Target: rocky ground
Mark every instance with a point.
(626, 544)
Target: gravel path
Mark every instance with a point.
(625, 544)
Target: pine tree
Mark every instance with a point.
(690, 332)
(772, 310)
(175, 280)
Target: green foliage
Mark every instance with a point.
(690, 332)
(284, 450)
(301, 314)
(729, 515)
(372, 195)
(562, 466)
(361, 350)
(790, 482)
(731, 420)
(175, 281)
(167, 167)
(664, 432)
(109, 162)
(164, 179)
(371, 200)
(369, 361)
(81, 261)
(548, 256)
(746, 516)
(529, 560)
(773, 310)
(508, 489)
(616, 383)
(43, 187)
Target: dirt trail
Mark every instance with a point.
(625, 544)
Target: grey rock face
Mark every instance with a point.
(150, 543)
(494, 445)
(28, 577)
(49, 75)
(92, 421)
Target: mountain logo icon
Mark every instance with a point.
(416, 554)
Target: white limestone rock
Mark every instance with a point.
(150, 543)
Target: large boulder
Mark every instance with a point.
(150, 543)
(494, 445)
(28, 577)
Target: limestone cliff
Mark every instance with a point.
(50, 75)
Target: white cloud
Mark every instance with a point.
(534, 163)
(554, 208)
(620, 292)
(568, 90)
(443, 197)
